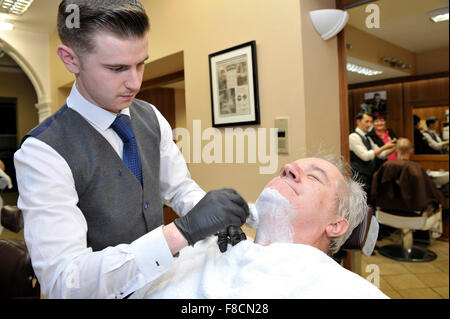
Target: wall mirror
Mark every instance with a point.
(393, 47)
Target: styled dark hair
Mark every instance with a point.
(122, 18)
(431, 120)
(360, 115)
(416, 119)
(378, 115)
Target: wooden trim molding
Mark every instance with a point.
(402, 79)
(163, 80)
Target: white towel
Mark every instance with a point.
(248, 270)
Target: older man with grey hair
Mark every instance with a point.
(303, 216)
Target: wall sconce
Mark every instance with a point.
(328, 22)
(394, 62)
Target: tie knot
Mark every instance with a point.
(122, 126)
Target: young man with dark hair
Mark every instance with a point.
(433, 143)
(93, 177)
(363, 151)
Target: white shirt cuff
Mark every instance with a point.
(153, 256)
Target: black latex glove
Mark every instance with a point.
(232, 234)
(213, 213)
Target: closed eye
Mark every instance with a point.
(315, 178)
(116, 69)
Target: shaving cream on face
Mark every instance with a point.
(275, 215)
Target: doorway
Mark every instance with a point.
(8, 137)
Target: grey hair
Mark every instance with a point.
(351, 201)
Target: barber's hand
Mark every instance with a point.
(390, 144)
(215, 212)
(232, 234)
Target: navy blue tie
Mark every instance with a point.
(122, 126)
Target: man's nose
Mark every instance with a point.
(292, 171)
(134, 80)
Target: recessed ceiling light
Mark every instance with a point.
(439, 15)
(17, 7)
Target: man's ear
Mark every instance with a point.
(69, 58)
(337, 229)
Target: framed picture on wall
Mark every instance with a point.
(234, 86)
(375, 102)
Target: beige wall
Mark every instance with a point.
(17, 85)
(432, 61)
(369, 48)
(297, 73)
(321, 86)
(59, 76)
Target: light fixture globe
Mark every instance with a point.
(328, 22)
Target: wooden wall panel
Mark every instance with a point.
(163, 99)
(426, 92)
(394, 105)
(402, 97)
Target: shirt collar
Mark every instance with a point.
(358, 130)
(94, 114)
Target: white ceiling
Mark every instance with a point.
(40, 17)
(405, 23)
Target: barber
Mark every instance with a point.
(93, 177)
(364, 152)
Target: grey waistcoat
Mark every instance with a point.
(117, 208)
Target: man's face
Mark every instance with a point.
(310, 186)
(365, 123)
(111, 75)
(433, 125)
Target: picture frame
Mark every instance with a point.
(234, 86)
(375, 103)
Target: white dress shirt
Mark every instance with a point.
(357, 146)
(56, 230)
(436, 145)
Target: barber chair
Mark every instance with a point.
(362, 239)
(406, 199)
(17, 278)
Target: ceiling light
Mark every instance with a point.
(6, 25)
(362, 70)
(439, 15)
(17, 7)
(394, 62)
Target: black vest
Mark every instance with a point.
(358, 165)
(426, 148)
(118, 210)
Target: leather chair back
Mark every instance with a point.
(17, 278)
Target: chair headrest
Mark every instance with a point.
(359, 235)
(12, 218)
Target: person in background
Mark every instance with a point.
(434, 144)
(418, 136)
(363, 151)
(381, 135)
(412, 172)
